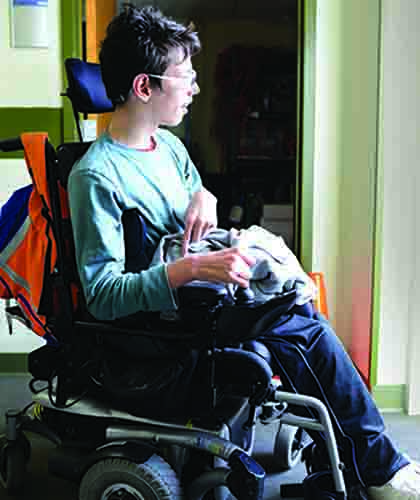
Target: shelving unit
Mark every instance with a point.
(259, 131)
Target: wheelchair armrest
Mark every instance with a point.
(201, 293)
(15, 144)
(248, 373)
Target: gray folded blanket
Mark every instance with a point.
(276, 269)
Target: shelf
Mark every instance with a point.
(263, 131)
(271, 115)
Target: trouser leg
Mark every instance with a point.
(311, 360)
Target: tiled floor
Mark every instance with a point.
(41, 486)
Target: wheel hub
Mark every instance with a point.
(121, 491)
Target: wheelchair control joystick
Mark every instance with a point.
(244, 296)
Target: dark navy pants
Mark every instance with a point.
(310, 359)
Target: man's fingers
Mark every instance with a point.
(239, 279)
(206, 229)
(197, 230)
(241, 268)
(186, 240)
(248, 259)
(194, 231)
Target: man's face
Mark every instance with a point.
(178, 86)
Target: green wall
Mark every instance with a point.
(14, 121)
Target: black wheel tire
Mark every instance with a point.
(114, 478)
(287, 446)
(14, 457)
(220, 494)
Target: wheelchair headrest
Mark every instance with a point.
(86, 89)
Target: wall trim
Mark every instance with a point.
(390, 398)
(13, 363)
(307, 130)
(378, 243)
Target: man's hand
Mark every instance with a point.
(230, 265)
(225, 266)
(200, 217)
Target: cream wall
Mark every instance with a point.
(345, 160)
(398, 361)
(30, 77)
(366, 180)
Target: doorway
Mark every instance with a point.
(242, 130)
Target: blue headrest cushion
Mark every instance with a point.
(86, 88)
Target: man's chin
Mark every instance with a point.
(173, 123)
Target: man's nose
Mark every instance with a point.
(195, 88)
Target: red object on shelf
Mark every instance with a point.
(321, 299)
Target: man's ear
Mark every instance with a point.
(141, 87)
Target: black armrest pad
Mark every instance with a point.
(201, 293)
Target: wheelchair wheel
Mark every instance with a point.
(14, 457)
(220, 493)
(288, 446)
(116, 479)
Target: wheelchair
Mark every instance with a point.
(118, 454)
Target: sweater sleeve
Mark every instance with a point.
(99, 242)
(191, 176)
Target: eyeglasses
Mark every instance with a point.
(189, 80)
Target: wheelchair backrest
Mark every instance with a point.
(134, 233)
(66, 295)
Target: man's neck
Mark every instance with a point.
(127, 127)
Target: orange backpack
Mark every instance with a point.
(28, 254)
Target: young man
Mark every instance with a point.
(147, 71)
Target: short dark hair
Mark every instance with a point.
(140, 41)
